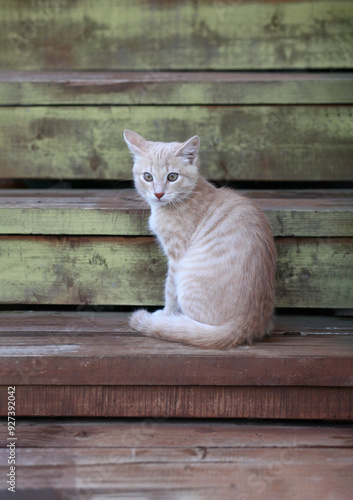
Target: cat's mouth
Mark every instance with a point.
(162, 201)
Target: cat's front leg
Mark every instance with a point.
(140, 320)
(171, 298)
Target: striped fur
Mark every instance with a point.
(221, 256)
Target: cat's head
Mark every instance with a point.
(164, 172)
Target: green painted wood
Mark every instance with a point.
(188, 88)
(315, 273)
(62, 270)
(116, 270)
(245, 142)
(174, 34)
(121, 213)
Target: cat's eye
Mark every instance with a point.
(172, 177)
(148, 177)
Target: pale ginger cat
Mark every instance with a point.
(219, 291)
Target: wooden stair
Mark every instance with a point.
(268, 86)
(93, 247)
(254, 126)
(90, 364)
(90, 248)
(179, 460)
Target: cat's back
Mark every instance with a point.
(230, 212)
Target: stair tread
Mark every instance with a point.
(205, 87)
(72, 349)
(125, 433)
(180, 459)
(291, 212)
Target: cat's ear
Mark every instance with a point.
(189, 150)
(135, 142)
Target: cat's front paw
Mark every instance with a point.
(139, 320)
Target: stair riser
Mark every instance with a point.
(131, 271)
(182, 402)
(213, 35)
(249, 143)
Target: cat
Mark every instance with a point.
(219, 291)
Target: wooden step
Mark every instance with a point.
(28, 88)
(248, 142)
(264, 126)
(159, 459)
(91, 364)
(302, 213)
(93, 247)
(218, 35)
(106, 249)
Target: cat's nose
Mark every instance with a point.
(159, 195)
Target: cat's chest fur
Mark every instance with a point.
(173, 230)
(175, 225)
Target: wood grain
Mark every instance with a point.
(265, 143)
(120, 212)
(90, 319)
(185, 468)
(165, 458)
(324, 403)
(81, 270)
(180, 36)
(185, 474)
(67, 349)
(165, 88)
(305, 273)
(127, 434)
(131, 271)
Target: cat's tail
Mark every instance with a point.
(181, 328)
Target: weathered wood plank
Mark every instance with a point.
(123, 358)
(111, 212)
(131, 271)
(242, 143)
(114, 455)
(308, 269)
(272, 470)
(272, 459)
(181, 35)
(90, 319)
(324, 403)
(186, 474)
(218, 492)
(124, 434)
(81, 270)
(159, 88)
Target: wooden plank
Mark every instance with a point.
(318, 270)
(131, 271)
(111, 212)
(90, 319)
(165, 433)
(292, 143)
(83, 35)
(80, 270)
(199, 480)
(323, 403)
(58, 457)
(271, 458)
(131, 360)
(189, 469)
(165, 88)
